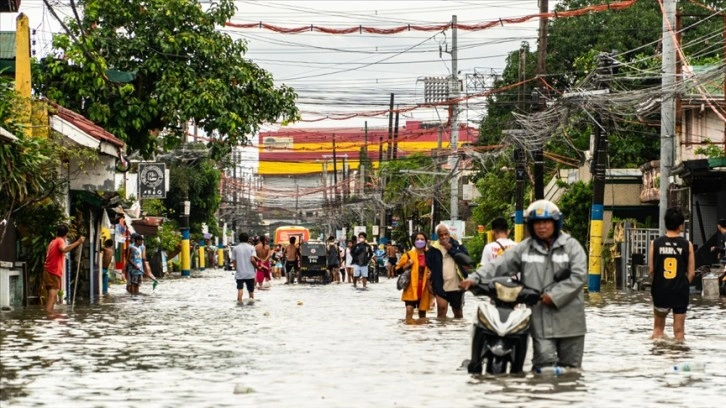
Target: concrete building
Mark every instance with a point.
(302, 169)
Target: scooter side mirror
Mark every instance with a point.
(562, 275)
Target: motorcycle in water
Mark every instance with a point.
(501, 328)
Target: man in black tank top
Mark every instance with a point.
(672, 267)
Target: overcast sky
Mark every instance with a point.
(357, 72)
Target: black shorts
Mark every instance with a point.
(332, 268)
(250, 283)
(455, 299)
(412, 303)
(392, 260)
(663, 311)
(290, 266)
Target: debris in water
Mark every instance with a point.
(243, 389)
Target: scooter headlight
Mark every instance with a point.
(507, 294)
(483, 320)
(522, 326)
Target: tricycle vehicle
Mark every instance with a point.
(313, 263)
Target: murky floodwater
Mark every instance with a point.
(189, 344)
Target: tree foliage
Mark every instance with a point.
(197, 177)
(501, 104)
(29, 167)
(575, 205)
(410, 193)
(31, 184)
(179, 66)
(497, 187)
(572, 42)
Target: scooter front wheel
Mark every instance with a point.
(496, 365)
(478, 343)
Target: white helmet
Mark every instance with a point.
(543, 210)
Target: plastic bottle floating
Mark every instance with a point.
(689, 367)
(552, 371)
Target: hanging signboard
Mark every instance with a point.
(152, 180)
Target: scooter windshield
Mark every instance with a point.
(507, 294)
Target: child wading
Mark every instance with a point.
(672, 267)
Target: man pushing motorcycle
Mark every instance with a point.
(558, 320)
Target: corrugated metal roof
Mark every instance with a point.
(7, 44)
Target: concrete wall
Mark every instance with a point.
(94, 177)
(697, 126)
(622, 194)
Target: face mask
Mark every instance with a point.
(420, 243)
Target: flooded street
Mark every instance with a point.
(189, 344)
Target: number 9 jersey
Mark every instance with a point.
(670, 272)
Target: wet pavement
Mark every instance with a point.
(188, 343)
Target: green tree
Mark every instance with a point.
(194, 174)
(501, 104)
(497, 186)
(31, 184)
(575, 205)
(410, 194)
(571, 42)
(142, 67)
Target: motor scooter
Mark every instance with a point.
(501, 328)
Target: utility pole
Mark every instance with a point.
(297, 203)
(335, 173)
(606, 68)
(667, 107)
(395, 138)
(346, 175)
(389, 148)
(542, 37)
(538, 154)
(362, 161)
(453, 159)
(520, 158)
(325, 182)
(519, 169)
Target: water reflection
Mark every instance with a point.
(189, 343)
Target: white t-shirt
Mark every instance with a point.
(493, 249)
(451, 277)
(242, 254)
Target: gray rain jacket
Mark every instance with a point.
(538, 267)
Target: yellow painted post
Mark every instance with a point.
(186, 260)
(518, 232)
(220, 253)
(202, 254)
(186, 253)
(22, 71)
(594, 267)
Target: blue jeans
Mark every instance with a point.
(104, 276)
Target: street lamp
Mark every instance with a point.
(185, 251)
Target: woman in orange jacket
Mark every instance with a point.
(418, 294)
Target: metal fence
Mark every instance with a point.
(636, 245)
